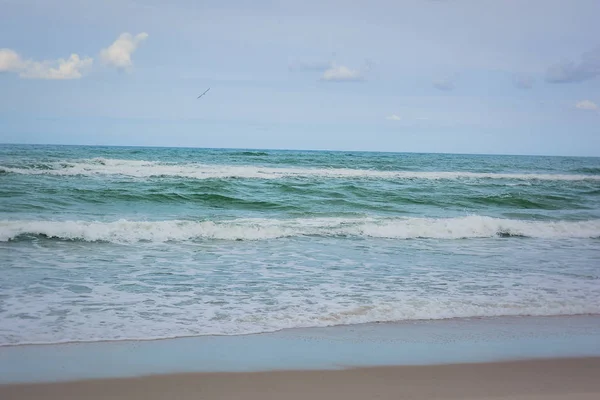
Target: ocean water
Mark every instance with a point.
(114, 243)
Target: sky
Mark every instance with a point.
(454, 76)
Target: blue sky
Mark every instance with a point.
(478, 76)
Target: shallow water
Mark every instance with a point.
(108, 243)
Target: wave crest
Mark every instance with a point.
(263, 229)
(153, 169)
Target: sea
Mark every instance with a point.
(132, 243)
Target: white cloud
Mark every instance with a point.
(444, 84)
(71, 68)
(586, 105)
(523, 81)
(393, 117)
(340, 73)
(119, 53)
(568, 71)
(10, 61)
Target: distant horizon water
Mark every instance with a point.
(299, 149)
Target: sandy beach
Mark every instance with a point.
(575, 378)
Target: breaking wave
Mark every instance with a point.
(153, 169)
(263, 229)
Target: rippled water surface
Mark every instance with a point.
(108, 243)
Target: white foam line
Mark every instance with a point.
(262, 229)
(149, 169)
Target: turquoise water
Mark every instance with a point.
(112, 243)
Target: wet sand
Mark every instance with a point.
(574, 378)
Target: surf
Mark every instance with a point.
(128, 231)
(155, 169)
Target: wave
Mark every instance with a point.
(249, 153)
(523, 201)
(296, 318)
(124, 231)
(154, 169)
(588, 170)
(214, 200)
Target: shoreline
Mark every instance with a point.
(573, 378)
(411, 343)
(295, 329)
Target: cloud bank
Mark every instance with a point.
(445, 85)
(70, 68)
(393, 117)
(340, 73)
(568, 71)
(119, 53)
(9, 60)
(586, 105)
(523, 81)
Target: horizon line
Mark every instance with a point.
(298, 150)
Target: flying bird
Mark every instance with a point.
(204, 93)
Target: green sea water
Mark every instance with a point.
(111, 243)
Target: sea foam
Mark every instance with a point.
(261, 229)
(153, 169)
(314, 309)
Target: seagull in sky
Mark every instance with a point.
(204, 93)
